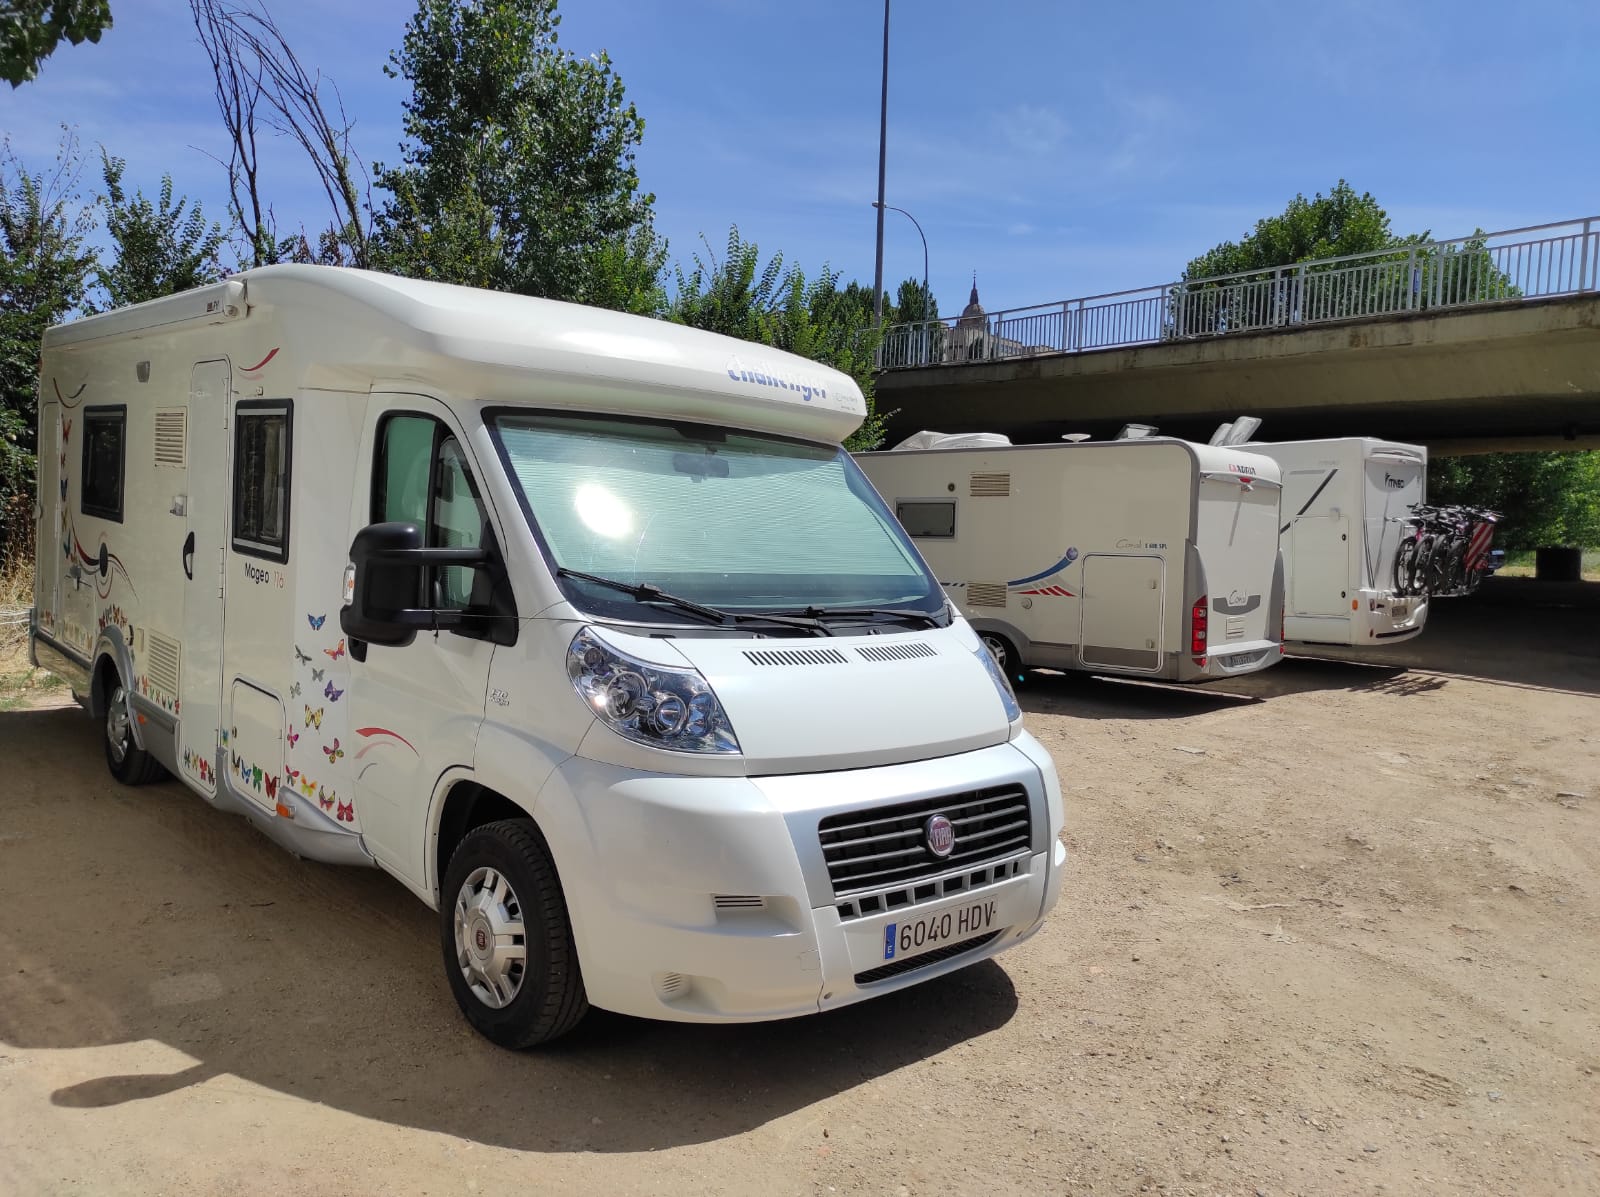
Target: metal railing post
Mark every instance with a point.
(1583, 259)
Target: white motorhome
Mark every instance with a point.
(1151, 557)
(1344, 503)
(582, 625)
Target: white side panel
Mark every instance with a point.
(204, 490)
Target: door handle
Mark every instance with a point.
(188, 557)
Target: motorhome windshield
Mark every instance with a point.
(739, 521)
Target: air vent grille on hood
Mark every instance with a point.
(796, 656)
(896, 652)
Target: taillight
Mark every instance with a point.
(1197, 630)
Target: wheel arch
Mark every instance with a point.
(464, 803)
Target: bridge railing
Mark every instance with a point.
(1537, 262)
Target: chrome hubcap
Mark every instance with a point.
(117, 724)
(491, 943)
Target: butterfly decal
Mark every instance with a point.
(66, 431)
(272, 787)
(316, 674)
(255, 776)
(326, 799)
(293, 775)
(347, 812)
(307, 786)
(315, 621)
(333, 695)
(335, 752)
(63, 488)
(337, 651)
(293, 737)
(294, 691)
(303, 658)
(313, 718)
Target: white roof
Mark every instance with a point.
(337, 328)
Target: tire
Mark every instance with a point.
(129, 764)
(1454, 570)
(1426, 573)
(1405, 566)
(502, 877)
(1005, 655)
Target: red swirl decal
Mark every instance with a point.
(262, 362)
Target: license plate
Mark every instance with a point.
(1399, 611)
(912, 937)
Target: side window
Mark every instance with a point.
(421, 477)
(930, 521)
(261, 453)
(104, 437)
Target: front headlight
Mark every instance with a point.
(1001, 683)
(649, 704)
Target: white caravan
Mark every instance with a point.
(1151, 557)
(1344, 503)
(583, 626)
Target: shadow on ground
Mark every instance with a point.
(143, 914)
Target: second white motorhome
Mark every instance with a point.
(1344, 507)
(583, 626)
(1151, 557)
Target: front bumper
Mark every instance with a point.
(708, 899)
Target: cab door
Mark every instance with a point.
(415, 709)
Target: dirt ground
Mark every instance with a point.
(1328, 930)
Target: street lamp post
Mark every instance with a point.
(926, 295)
(883, 148)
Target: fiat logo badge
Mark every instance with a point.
(941, 836)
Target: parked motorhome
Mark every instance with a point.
(1151, 557)
(1344, 503)
(583, 626)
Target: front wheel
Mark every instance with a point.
(508, 947)
(129, 764)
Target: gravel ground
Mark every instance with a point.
(1331, 929)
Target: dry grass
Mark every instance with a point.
(1520, 565)
(18, 678)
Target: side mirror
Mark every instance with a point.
(386, 579)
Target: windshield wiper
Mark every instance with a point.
(644, 592)
(928, 620)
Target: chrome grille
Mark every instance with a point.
(886, 845)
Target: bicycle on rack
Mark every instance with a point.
(1446, 553)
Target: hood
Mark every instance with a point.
(813, 705)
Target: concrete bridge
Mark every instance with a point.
(1481, 343)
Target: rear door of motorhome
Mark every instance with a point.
(1395, 479)
(1317, 527)
(1237, 536)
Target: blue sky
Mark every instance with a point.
(1059, 149)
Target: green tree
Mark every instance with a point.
(30, 30)
(1546, 498)
(912, 303)
(1325, 226)
(44, 269)
(517, 171)
(770, 304)
(157, 248)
